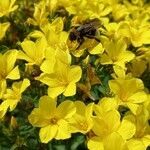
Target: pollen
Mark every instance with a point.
(83, 126)
(53, 120)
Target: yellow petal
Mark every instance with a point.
(25, 84)
(49, 79)
(114, 142)
(57, 24)
(3, 108)
(98, 49)
(66, 109)
(63, 56)
(146, 140)
(125, 57)
(45, 66)
(40, 47)
(12, 104)
(108, 104)
(3, 86)
(138, 97)
(37, 119)
(113, 120)
(22, 55)
(70, 89)
(63, 130)
(133, 107)
(54, 92)
(48, 133)
(14, 74)
(75, 73)
(127, 129)
(135, 144)
(11, 57)
(29, 48)
(119, 71)
(95, 143)
(47, 106)
(3, 28)
(80, 107)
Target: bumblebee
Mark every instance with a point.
(88, 29)
(36, 71)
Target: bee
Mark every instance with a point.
(88, 29)
(36, 71)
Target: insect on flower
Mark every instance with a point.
(36, 71)
(88, 29)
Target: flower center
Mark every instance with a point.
(53, 120)
(83, 126)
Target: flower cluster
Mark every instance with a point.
(98, 86)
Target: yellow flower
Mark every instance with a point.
(108, 121)
(129, 92)
(107, 124)
(33, 52)
(52, 5)
(7, 62)
(141, 138)
(104, 105)
(111, 29)
(13, 96)
(51, 56)
(138, 35)
(53, 121)
(7, 6)
(80, 10)
(119, 72)
(113, 142)
(119, 11)
(82, 121)
(3, 29)
(62, 80)
(84, 9)
(116, 53)
(40, 15)
(53, 33)
(7, 69)
(98, 9)
(137, 67)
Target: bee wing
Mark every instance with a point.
(85, 28)
(93, 22)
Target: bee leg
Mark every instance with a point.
(92, 37)
(80, 41)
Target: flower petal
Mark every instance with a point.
(127, 129)
(14, 74)
(24, 85)
(138, 97)
(75, 74)
(95, 143)
(135, 144)
(48, 133)
(70, 90)
(47, 106)
(54, 92)
(63, 130)
(66, 109)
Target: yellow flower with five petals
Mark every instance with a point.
(53, 121)
(129, 92)
(13, 96)
(62, 80)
